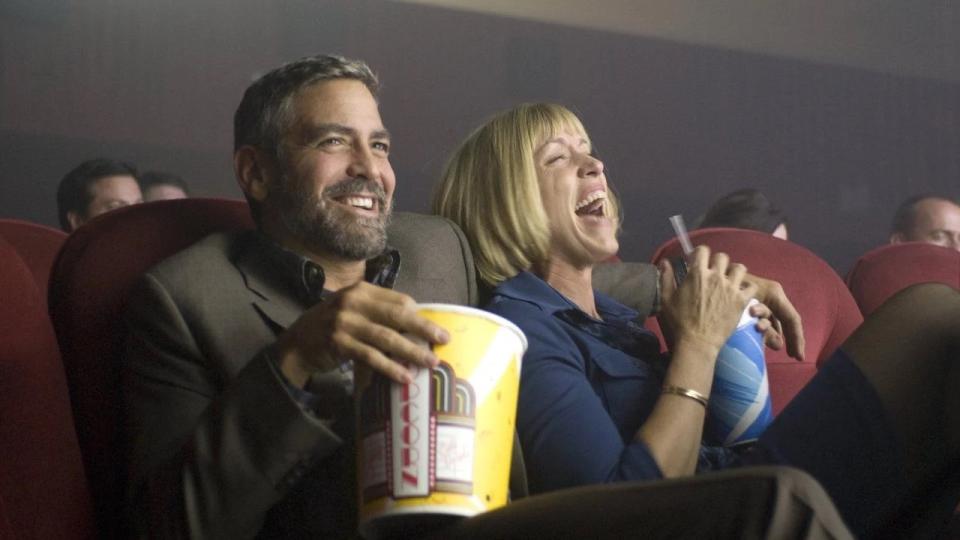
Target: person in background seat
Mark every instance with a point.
(94, 187)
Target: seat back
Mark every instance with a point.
(96, 267)
(37, 245)
(826, 307)
(880, 273)
(43, 490)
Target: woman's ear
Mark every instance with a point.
(252, 170)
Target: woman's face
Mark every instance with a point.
(573, 188)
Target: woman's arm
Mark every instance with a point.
(701, 314)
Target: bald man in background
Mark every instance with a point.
(927, 218)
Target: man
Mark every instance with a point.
(237, 384)
(223, 422)
(161, 186)
(94, 187)
(927, 218)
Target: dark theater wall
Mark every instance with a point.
(676, 124)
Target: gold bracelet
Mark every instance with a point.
(688, 393)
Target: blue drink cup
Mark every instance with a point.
(740, 409)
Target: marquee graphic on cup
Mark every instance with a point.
(419, 437)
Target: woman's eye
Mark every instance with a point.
(555, 159)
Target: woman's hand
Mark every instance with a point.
(701, 314)
(705, 309)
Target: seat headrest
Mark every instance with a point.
(882, 272)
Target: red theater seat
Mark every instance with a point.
(96, 267)
(37, 245)
(828, 311)
(43, 491)
(880, 273)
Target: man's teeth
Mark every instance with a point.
(596, 195)
(359, 202)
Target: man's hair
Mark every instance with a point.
(489, 188)
(744, 209)
(157, 178)
(905, 218)
(264, 113)
(73, 193)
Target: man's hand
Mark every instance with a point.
(783, 317)
(362, 323)
(768, 325)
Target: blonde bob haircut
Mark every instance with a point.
(490, 189)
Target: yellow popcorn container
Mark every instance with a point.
(439, 448)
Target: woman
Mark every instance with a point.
(597, 402)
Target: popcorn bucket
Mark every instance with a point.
(740, 408)
(439, 448)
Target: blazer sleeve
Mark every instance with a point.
(635, 285)
(207, 457)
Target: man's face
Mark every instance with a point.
(937, 222)
(336, 184)
(108, 193)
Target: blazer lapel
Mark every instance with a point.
(268, 295)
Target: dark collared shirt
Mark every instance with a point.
(307, 278)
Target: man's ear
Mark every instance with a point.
(74, 219)
(253, 171)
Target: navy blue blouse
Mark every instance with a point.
(586, 386)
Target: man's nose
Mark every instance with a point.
(363, 165)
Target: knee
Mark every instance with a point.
(931, 309)
(930, 293)
(931, 301)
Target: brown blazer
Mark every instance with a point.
(217, 447)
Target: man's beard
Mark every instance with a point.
(322, 225)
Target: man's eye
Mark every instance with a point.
(382, 147)
(331, 141)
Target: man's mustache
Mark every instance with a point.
(351, 186)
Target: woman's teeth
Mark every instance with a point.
(596, 195)
(592, 204)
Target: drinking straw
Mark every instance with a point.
(680, 228)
